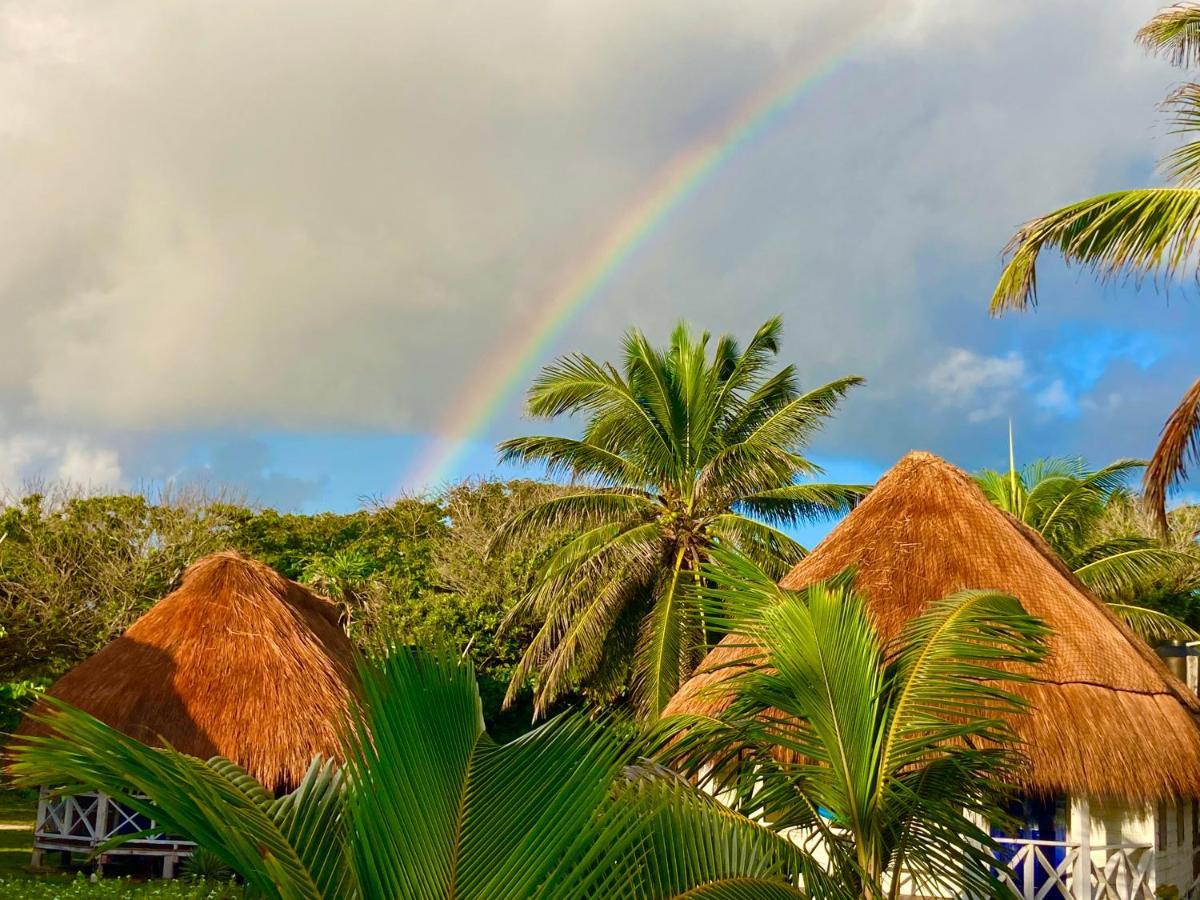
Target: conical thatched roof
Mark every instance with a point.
(238, 662)
(1108, 719)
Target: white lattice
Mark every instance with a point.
(74, 816)
(1126, 872)
(85, 821)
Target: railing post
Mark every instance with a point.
(101, 817)
(1083, 862)
(40, 823)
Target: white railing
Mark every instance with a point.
(1117, 871)
(79, 823)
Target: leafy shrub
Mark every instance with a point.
(15, 698)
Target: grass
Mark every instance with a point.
(17, 811)
(82, 886)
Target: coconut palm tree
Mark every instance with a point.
(1068, 504)
(1144, 231)
(885, 756)
(1175, 588)
(683, 449)
(428, 806)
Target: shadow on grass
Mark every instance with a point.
(17, 812)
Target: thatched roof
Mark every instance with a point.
(1107, 717)
(238, 662)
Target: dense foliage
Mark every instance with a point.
(75, 571)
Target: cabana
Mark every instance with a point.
(237, 662)
(1109, 795)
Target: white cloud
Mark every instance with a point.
(1056, 398)
(26, 458)
(90, 467)
(18, 455)
(311, 216)
(984, 386)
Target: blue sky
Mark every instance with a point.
(269, 249)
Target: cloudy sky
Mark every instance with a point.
(275, 244)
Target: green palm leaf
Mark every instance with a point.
(217, 805)
(885, 753)
(428, 806)
(1153, 626)
(1143, 231)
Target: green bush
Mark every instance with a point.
(15, 698)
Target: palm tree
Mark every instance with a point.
(428, 806)
(885, 756)
(1175, 588)
(344, 576)
(1067, 504)
(1145, 231)
(684, 449)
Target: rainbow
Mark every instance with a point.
(500, 378)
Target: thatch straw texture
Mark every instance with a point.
(1107, 717)
(238, 662)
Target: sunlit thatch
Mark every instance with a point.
(1107, 717)
(238, 662)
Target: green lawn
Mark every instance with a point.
(17, 811)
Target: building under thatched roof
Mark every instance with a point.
(1108, 720)
(238, 662)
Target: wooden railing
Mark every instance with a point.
(1047, 870)
(80, 823)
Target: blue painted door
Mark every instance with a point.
(1037, 819)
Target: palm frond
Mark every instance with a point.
(791, 425)
(1139, 232)
(1182, 165)
(663, 644)
(1178, 446)
(591, 507)
(1116, 566)
(217, 804)
(1153, 626)
(1175, 33)
(579, 459)
(696, 840)
(768, 548)
(797, 503)
(951, 666)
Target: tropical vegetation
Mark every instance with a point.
(76, 570)
(427, 805)
(684, 449)
(886, 755)
(1139, 232)
(1069, 505)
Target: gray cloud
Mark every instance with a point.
(307, 215)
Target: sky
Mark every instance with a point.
(277, 247)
